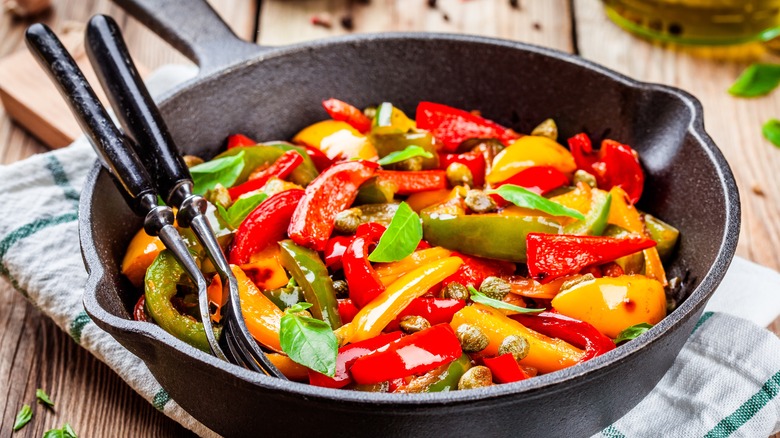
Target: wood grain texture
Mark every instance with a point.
(35, 353)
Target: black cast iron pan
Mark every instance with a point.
(271, 93)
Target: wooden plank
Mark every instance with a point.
(546, 23)
(734, 124)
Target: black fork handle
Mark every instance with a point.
(134, 107)
(112, 146)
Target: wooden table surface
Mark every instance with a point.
(35, 353)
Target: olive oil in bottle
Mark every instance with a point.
(702, 22)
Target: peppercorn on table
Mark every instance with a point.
(34, 353)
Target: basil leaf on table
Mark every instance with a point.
(241, 208)
(223, 171)
(632, 332)
(771, 131)
(522, 197)
(409, 152)
(756, 80)
(64, 432)
(43, 398)
(479, 297)
(23, 417)
(308, 341)
(401, 238)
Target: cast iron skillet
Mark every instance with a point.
(270, 93)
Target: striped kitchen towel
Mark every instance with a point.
(725, 381)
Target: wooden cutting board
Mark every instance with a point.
(31, 99)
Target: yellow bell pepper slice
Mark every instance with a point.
(389, 272)
(623, 214)
(612, 304)
(527, 152)
(545, 353)
(141, 252)
(578, 199)
(336, 140)
(373, 317)
(261, 314)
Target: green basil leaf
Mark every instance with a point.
(479, 297)
(64, 432)
(298, 307)
(756, 80)
(43, 398)
(409, 152)
(23, 417)
(525, 198)
(223, 171)
(241, 208)
(632, 332)
(308, 341)
(771, 131)
(401, 238)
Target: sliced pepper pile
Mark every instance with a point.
(514, 255)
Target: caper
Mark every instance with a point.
(455, 291)
(476, 377)
(410, 164)
(348, 220)
(413, 324)
(480, 202)
(517, 346)
(304, 313)
(548, 129)
(342, 288)
(495, 288)
(459, 174)
(219, 195)
(192, 160)
(583, 176)
(472, 339)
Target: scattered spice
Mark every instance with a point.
(445, 17)
(322, 20)
(515, 4)
(432, 4)
(757, 189)
(537, 25)
(348, 23)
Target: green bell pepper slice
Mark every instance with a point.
(492, 235)
(376, 191)
(448, 380)
(265, 154)
(388, 142)
(633, 263)
(161, 280)
(665, 235)
(596, 219)
(312, 276)
(285, 297)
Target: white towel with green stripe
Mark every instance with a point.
(725, 381)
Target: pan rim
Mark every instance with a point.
(531, 388)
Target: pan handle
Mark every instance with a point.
(194, 29)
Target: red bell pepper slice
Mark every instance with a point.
(409, 182)
(139, 311)
(453, 126)
(265, 225)
(334, 250)
(363, 280)
(475, 270)
(475, 161)
(551, 256)
(505, 368)
(434, 310)
(344, 112)
(321, 161)
(414, 354)
(281, 168)
(237, 140)
(331, 192)
(537, 179)
(347, 310)
(578, 333)
(347, 356)
(615, 164)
